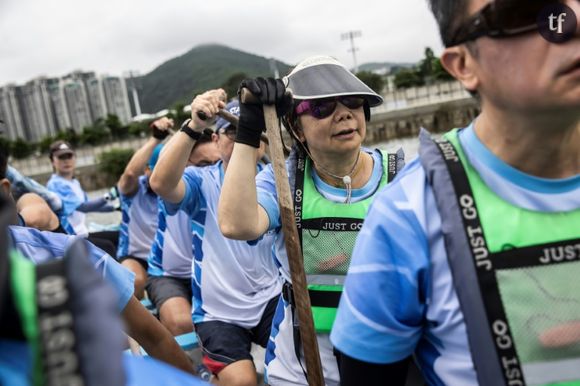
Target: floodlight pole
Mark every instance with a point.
(350, 35)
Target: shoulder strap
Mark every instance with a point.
(434, 158)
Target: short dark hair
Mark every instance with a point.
(3, 161)
(449, 14)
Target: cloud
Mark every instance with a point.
(107, 36)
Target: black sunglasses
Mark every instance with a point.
(322, 108)
(499, 19)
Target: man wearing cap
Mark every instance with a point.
(170, 254)
(235, 283)
(75, 202)
(139, 205)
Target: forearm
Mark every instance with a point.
(238, 211)
(166, 349)
(153, 337)
(170, 166)
(96, 205)
(136, 167)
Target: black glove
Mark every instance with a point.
(158, 134)
(269, 91)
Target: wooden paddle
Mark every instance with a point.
(293, 248)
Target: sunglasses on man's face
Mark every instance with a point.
(65, 156)
(499, 19)
(322, 108)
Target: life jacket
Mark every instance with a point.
(327, 231)
(515, 272)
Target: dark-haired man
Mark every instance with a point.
(472, 255)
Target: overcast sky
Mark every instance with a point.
(54, 37)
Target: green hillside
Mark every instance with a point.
(202, 68)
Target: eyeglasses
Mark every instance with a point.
(65, 156)
(322, 108)
(499, 19)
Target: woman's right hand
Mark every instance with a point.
(267, 91)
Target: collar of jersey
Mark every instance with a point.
(480, 156)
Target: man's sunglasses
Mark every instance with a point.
(322, 108)
(499, 19)
(65, 156)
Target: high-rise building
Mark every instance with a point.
(55, 88)
(40, 117)
(11, 112)
(77, 102)
(116, 96)
(96, 96)
(43, 106)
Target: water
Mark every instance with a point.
(410, 147)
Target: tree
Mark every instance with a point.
(408, 77)
(113, 162)
(21, 148)
(374, 81)
(138, 129)
(115, 126)
(95, 134)
(232, 83)
(68, 135)
(44, 144)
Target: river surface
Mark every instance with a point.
(95, 220)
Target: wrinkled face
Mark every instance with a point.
(528, 73)
(204, 154)
(64, 164)
(342, 131)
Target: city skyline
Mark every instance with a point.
(43, 106)
(116, 37)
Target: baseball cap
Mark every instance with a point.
(60, 147)
(233, 108)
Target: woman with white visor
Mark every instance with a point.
(333, 180)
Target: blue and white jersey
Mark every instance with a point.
(268, 199)
(138, 222)
(72, 196)
(40, 247)
(171, 253)
(232, 280)
(400, 259)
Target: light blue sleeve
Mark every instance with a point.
(70, 201)
(122, 280)
(22, 184)
(147, 371)
(381, 311)
(267, 196)
(191, 202)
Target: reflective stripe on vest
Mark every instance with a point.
(525, 263)
(326, 251)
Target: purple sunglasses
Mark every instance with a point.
(324, 107)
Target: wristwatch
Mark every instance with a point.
(189, 131)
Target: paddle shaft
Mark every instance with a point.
(293, 248)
